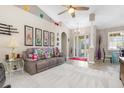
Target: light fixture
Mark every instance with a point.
(26, 7)
(92, 17)
(71, 10)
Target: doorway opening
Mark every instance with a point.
(64, 43)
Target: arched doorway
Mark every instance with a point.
(64, 43)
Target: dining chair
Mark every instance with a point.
(106, 56)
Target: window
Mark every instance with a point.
(115, 40)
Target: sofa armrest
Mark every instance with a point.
(30, 67)
(24, 55)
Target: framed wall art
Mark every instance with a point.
(38, 37)
(28, 39)
(52, 39)
(45, 38)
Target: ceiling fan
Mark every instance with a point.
(71, 9)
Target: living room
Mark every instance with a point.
(67, 52)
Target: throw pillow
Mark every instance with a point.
(57, 52)
(42, 57)
(29, 55)
(46, 55)
(34, 56)
(53, 52)
(35, 51)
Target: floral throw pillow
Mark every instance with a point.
(34, 57)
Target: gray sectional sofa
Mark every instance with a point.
(33, 67)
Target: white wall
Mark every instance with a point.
(18, 18)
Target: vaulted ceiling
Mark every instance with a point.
(106, 16)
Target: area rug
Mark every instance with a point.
(79, 59)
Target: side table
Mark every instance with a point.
(14, 65)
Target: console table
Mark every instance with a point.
(122, 69)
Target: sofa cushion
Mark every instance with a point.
(60, 59)
(30, 60)
(42, 64)
(52, 61)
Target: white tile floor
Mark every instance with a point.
(29, 81)
(106, 66)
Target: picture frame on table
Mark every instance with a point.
(45, 38)
(52, 39)
(38, 37)
(28, 35)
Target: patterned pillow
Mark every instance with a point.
(42, 57)
(40, 51)
(35, 51)
(53, 52)
(34, 57)
(57, 53)
(30, 56)
(50, 52)
(46, 55)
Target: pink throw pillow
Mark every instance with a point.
(34, 57)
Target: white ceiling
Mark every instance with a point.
(106, 16)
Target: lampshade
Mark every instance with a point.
(13, 43)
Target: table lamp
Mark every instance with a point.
(13, 44)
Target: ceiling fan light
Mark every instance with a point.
(71, 10)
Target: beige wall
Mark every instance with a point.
(18, 18)
(104, 35)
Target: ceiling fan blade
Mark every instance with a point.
(81, 8)
(73, 15)
(67, 6)
(62, 12)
